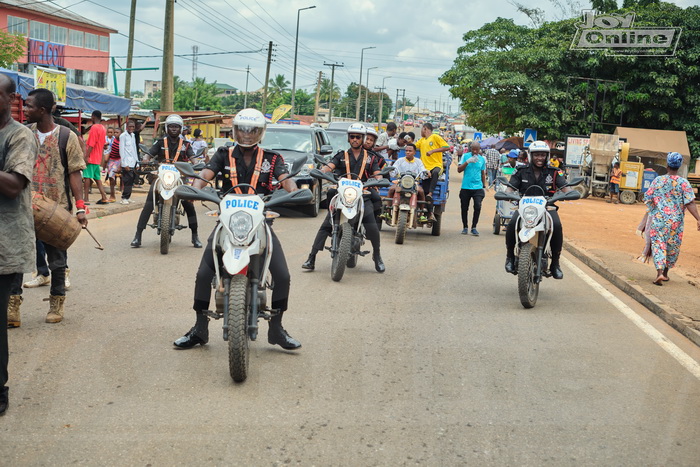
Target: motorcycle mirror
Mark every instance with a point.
(187, 170)
(191, 193)
(503, 196)
(279, 197)
(572, 195)
(322, 175)
(320, 160)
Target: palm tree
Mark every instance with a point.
(326, 91)
(278, 86)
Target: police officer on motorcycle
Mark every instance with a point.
(550, 179)
(172, 147)
(246, 162)
(361, 163)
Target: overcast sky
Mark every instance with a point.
(416, 41)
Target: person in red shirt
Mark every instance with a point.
(93, 158)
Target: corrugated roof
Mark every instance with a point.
(46, 8)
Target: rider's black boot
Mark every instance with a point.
(310, 263)
(199, 334)
(276, 335)
(510, 264)
(136, 242)
(195, 240)
(378, 263)
(555, 270)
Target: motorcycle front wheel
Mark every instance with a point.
(164, 219)
(527, 269)
(401, 226)
(238, 344)
(340, 260)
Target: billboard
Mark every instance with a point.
(53, 80)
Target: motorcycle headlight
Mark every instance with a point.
(168, 179)
(305, 170)
(350, 195)
(241, 223)
(407, 182)
(529, 215)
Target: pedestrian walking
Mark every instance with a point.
(473, 164)
(93, 158)
(114, 167)
(667, 198)
(615, 175)
(18, 151)
(128, 154)
(493, 160)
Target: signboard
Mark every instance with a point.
(280, 111)
(45, 53)
(529, 136)
(478, 136)
(53, 80)
(575, 149)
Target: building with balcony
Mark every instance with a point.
(59, 39)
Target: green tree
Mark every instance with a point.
(198, 95)
(277, 87)
(11, 48)
(325, 93)
(153, 102)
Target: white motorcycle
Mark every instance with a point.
(534, 232)
(242, 249)
(347, 209)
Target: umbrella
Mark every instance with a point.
(514, 142)
(488, 142)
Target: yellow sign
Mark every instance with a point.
(280, 111)
(53, 80)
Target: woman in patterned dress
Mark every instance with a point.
(667, 199)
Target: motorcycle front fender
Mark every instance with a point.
(237, 258)
(404, 207)
(167, 194)
(349, 212)
(525, 234)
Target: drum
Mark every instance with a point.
(53, 224)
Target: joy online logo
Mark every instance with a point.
(615, 34)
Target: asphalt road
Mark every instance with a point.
(434, 362)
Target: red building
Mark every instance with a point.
(60, 39)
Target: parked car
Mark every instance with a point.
(301, 144)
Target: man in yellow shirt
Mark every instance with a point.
(431, 147)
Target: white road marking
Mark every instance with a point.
(672, 349)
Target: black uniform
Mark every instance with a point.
(157, 152)
(369, 221)
(273, 167)
(550, 180)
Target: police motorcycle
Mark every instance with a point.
(405, 211)
(534, 231)
(242, 253)
(347, 209)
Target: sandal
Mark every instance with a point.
(658, 281)
(103, 201)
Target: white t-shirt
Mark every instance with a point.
(43, 136)
(382, 140)
(402, 165)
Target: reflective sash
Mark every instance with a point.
(167, 151)
(362, 167)
(234, 172)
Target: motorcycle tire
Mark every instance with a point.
(401, 226)
(238, 343)
(343, 254)
(528, 289)
(165, 216)
(436, 225)
(496, 224)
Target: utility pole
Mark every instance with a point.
(381, 105)
(318, 95)
(245, 98)
(168, 91)
(130, 51)
(396, 107)
(195, 50)
(267, 76)
(417, 107)
(330, 97)
(403, 104)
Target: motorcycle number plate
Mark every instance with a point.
(237, 253)
(404, 207)
(354, 183)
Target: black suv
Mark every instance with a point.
(299, 144)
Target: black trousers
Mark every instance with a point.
(148, 210)
(128, 180)
(6, 281)
(368, 220)
(429, 185)
(58, 260)
(465, 197)
(556, 243)
(278, 270)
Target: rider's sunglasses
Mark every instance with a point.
(355, 136)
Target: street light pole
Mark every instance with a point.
(296, 47)
(359, 87)
(367, 93)
(381, 101)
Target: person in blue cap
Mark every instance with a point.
(667, 199)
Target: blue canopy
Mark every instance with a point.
(78, 97)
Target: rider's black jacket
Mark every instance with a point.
(273, 167)
(550, 179)
(157, 151)
(355, 164)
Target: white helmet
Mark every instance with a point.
(249, 127)
(357, 129)
(538, 146)
(371, 131)
(174, 119)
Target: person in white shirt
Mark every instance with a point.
(407, 164)
(129, 156)
(199, 146)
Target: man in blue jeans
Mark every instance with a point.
(473, 164)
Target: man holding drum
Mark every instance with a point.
(56, 175)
